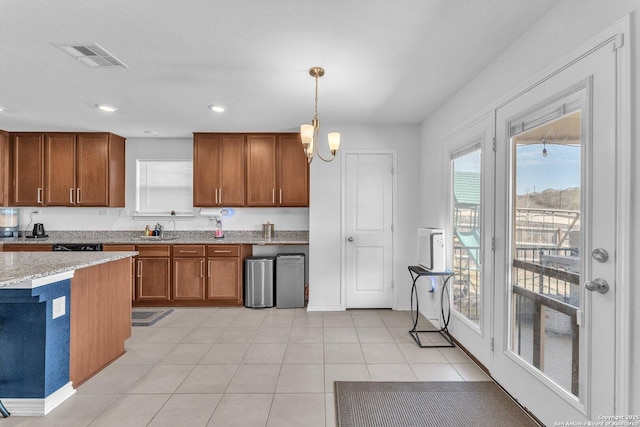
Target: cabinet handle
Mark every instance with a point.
(216, 196)
(201, 268)
(71, 195)
(281, 196)
(187, 252)
(209, 268)
(220, 195)
(222, 252)
(39, 195)
(78, 196)
(273, 196)
(139, 269)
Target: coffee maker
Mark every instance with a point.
(9, 223)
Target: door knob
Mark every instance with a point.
(349, 239)
(599, 285)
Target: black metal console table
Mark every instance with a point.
(416, 272)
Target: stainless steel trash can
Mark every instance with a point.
(258, 281)
(290, 280)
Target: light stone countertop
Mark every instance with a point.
(18, 267)
(171, 238)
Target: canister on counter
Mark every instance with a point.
(268, 231)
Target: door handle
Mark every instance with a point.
(599, 285)
(349, 239)
(78, 199)
(39, 195)
(71, 195)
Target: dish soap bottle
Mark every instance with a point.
(147, 231)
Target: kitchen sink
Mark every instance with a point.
(155, 238)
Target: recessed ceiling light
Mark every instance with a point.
(1, 108)
(106, 108)
(217, 108)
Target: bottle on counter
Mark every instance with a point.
(147, 231)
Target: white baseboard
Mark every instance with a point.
(325, 308)
(38, 407)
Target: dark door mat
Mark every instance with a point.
(437, 404)
(147, 317)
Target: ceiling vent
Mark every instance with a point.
(91, 55)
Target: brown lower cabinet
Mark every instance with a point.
(153, 278)
(190, 275)
(17, 247)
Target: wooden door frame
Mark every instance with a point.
(343, 221)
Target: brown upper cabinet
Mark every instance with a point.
(293, 172)
(261, 170)
(5, 169)
(68, 169)
(277, 171)
(28, 154)
(218, 170)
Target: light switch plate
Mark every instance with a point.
(59, 307)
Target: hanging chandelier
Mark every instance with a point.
(309, 132)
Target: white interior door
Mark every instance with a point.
(368, 201)
(555, 206)
(470, 156)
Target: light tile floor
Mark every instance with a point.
(251, 367)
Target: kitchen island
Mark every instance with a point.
(63, 317)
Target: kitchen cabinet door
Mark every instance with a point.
(153, 280)
(218, 170)
(293, 172)
(231, 167)
(205, 171)
(92, 163)
(28, 154)
(188, 279)
(261, 170)
(224, 282)
(5, 169)
(59, 169)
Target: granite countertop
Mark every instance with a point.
(18, 267)
(170, 238)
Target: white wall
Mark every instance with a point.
(60, 218)
(558, 33)
(325, 238)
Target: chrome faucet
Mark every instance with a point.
(160, 229)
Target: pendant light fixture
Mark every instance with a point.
(544, 148)
(309, 132)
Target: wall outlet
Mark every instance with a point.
(58, 307)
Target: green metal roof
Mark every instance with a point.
(466, 188)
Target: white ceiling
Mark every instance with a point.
(386, 61)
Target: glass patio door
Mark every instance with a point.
(555, 213)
